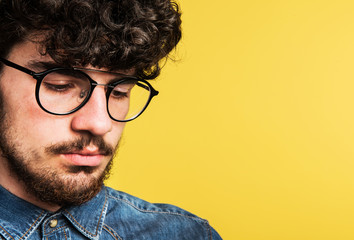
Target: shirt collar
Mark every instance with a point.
(20, 218)
(88, 218)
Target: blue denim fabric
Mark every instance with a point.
(109, 215)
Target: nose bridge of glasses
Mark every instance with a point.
(94, 84)
(99, 84)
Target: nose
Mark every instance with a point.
(93, 117)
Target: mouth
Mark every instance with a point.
(86, 157)
(82, 152)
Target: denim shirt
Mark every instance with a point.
(109, 215)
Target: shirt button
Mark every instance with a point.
(53, 223)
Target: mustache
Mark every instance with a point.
(79, 144)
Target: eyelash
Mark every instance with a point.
(58, 87)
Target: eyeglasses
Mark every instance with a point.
(62, 91)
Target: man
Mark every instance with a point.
(72, 73)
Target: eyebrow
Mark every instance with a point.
(119, 76)
(36, 65)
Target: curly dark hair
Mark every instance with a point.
(112, 34)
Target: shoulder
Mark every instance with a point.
(133, 215)
(140, 205)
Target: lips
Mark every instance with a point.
(84, 151)
(86, 157)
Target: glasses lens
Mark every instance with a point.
(128, 99)
(62, 91)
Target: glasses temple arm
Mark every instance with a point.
(16, 66)
(153, 91)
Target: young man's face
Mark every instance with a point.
(56, 159)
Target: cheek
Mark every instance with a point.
(31, 124)
(19, 99)
(37, 128)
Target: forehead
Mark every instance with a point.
(25, 52)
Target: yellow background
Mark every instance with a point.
(254, 125)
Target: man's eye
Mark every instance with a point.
(58, 87)
(119, 94)
(122, 91)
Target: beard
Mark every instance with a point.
(74, 185)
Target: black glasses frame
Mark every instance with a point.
(109, 87)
